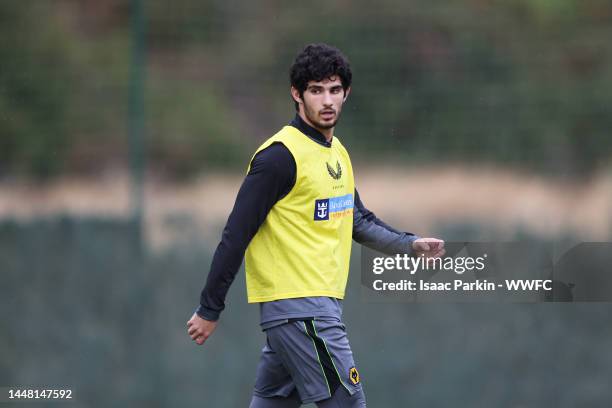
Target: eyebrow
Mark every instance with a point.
(322, 87)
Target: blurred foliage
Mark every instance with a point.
(34, 97)
(523, 83)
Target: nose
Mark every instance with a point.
(327, 99)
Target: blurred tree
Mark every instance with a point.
(521, 83)
(35, 91)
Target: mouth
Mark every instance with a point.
(328, 114)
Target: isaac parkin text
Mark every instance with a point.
(457, 284)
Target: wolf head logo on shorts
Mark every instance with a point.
(354, 375)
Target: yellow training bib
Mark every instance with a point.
(303, 247)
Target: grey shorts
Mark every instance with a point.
(310, 355)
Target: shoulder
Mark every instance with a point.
(339, 147)
(276, 151)
(285, 135)
(273, 149)
(338, 144)
(273, 158)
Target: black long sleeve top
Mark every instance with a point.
(271, 177)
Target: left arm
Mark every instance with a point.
(372, 232)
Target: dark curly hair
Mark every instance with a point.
(317, 62)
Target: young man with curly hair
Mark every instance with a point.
(295, 215)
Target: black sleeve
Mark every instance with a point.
(270, 178)
(369, 216)
(372, 232)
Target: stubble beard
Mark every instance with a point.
(312, 117)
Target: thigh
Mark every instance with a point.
(318, 357)
(272, 378)
(330, 336)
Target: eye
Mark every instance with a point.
(315, 90)
(336, 90)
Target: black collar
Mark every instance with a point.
(309, 131)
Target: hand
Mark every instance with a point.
(200, 329)
(429, 248)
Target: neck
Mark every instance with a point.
(328, 133)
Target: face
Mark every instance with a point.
(321, 102)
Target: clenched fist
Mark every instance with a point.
(428, 248)
(200, 329)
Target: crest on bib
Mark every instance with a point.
(335, 174)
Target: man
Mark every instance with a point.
(295, 215)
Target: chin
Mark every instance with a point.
(322, 125)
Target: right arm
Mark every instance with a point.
(270, 178)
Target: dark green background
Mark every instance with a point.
(86, 304)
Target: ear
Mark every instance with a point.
(295, 94)
(346, 93)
